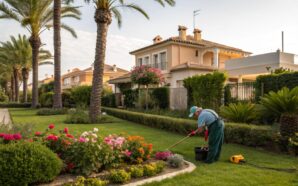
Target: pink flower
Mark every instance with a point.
(2, 135)
(69, 136)
(65, 130)
(51, 126)
(37, 133)
(163, 155)
(17, 136)
(127, 153)
(82, 140)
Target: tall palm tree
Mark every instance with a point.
(36, 16)
(105, 10)
(57, 101)
(17, 54)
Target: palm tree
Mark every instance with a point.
(57, 101)
(17, 54)
(36, 16)
(105, 10)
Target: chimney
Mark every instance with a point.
(157, 39)
(68, 70)
(46, 75)
(52, 76)
(182, 32)
(197, 34)
(114, 68)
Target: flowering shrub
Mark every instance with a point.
(163, 155)
(145, 75)
(137, 150)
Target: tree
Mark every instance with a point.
(145, 75)
(16, 55)
(105, 9)
(35, 16)
(57, 101)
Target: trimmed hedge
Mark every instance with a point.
(15, 105)
(250, 135)
(275, 82)
(27, 163)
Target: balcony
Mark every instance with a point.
(161, 66)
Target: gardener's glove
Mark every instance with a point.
(206, 135)
(193, 133)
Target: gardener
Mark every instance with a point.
(209, 119)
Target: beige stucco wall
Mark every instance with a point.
(257, 64)
(182, 54)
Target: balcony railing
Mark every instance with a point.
(161, 66)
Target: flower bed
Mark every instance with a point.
(115, 159)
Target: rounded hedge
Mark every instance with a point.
(25, 163)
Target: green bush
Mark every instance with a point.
(275, 82)
(51, 111)
(130, 97)
(136, 171)
(46, 99)
(160, 165)
(206, 90)
(67, 100)
(109, 100)
(119, 176)
(81, 181)
(15, 105)
(250, 135)
(150, 169)
(141, 100)
(240, 112)
(81, 95)
(161, 95)
(3, 96)
(80, 116)
(27, 163)
(176, 161)
(47, 87)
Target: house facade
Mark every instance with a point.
(183, 56)
(77, 77)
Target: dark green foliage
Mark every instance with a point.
(275, 82)
(130, 98)
(67, 100)
(161, 95)
(27, 163)
(109, 100)
(164, 112)
(227, 95)
(46, 99)
(51, 111)
(80, 116)
(3, 96)
(250, 135)
(206, 90)
(81, 95)
(15, 105)
(48, 87)
(240, 112)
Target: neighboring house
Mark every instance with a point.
(77, 77)
(41, 82)
(247, 69)
(183, 56)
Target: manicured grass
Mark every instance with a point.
(221, 173)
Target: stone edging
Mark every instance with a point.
(189, 169)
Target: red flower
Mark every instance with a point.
(69, 136)
(52, 137)
(37, 133)
(66, 130)
(17, 136)
(2, 135)
(51, 126)
(70, 166)
(8, 137)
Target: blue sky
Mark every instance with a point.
(252, 25)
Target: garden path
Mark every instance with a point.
(5, 117)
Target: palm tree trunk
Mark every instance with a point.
(16, 84)
(25, 75)
(12, 88)
(35, 44)
(103, 19)
(57, 102)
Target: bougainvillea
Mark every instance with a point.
(145, 75)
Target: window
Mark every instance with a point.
(76, 79)
(66, 81)
(163, 60)
(197, 53)
(296, 59)
(146, 60)
(155, 60)
(140, 62)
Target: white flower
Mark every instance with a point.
(104, 113)
(95, 129)
(84, 134)
(94, 135)
(87, 139)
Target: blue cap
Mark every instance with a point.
(192, 111)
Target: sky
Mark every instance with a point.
(252, 25)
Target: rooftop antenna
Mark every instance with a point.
(282, 41)
(195, 13)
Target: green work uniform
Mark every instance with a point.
(210, 119)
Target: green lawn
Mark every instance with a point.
(221, 173)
